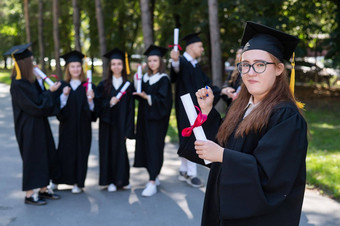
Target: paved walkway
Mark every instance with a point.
(175, 204)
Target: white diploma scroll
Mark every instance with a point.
(192, 115)
(176, 31)
(41, 74)
(89, 79)
(123, 89)
(139, 79)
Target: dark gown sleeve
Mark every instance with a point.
(161, 100)
(210, 127)
(254, 184)
(130, 118)
(34, 103)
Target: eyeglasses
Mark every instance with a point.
(259, 67)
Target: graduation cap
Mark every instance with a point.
(19, 52)
(192, 38)
(278, 43)
(118, 54)
(73, 56)
(155, 51)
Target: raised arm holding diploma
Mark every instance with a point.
(42, 75)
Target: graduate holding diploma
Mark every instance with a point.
(31, 107)
(76, 114)
(258, 151)
(116, 122)
(155, 102)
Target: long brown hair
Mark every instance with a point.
(259, 117)
(161, 68)
(109, 74)
(82, 77)
(26, 69)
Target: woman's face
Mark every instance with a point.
(153, 63)
(259, 84)
(117, 67)
(75, 69)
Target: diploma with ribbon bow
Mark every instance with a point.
(195, 120)
(42, 75)
(139, 79)
(122, 91)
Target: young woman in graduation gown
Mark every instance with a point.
(258, 171)
(116, 123)
(76, 114)
(155, 102)
(31, 107)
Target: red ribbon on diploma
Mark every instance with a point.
(179, 47)
(54, 76)
(86, 84)
(123, 93)
(201, 118)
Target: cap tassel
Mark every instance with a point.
(127, 64)
(17, 69)
(292, 83)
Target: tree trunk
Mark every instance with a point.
(56, 37)
(101, 34)
(147, 25)
(27, 21)
(41, 35)
(76, 22)
(215, 42)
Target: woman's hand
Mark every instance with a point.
(90, 95)
(66, 90)
(209, 150)
(142, 95)
(55, 86)
(205, 99)
(114, 101)
(229, 91)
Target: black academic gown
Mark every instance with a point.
(31, 109)
(74, 137)
(152, 126)
(188, 80)
(262, 178)
(115, 125)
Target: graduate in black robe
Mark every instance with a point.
(155, 102)
(116, 123)
(31, 107)
(75, 117)
(258, 170)
(188, 76)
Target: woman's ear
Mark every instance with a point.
(279, 69)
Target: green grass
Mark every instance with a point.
(5, 76)
(323, 157)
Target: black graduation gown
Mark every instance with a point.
(152, 126)
(74, 137)
(115, 125)
(30, 110)
(262, 178)
(188, 80)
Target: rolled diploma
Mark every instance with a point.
(139, 79)
(89, 77)
(123, 89)
(192, 115)
(176, 31)
(41, 74)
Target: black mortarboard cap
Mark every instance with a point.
(278, 43)
(73, 56)
(192, 38)
(115, 54)
(19, 52)
(155, 51)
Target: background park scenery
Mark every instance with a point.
(95, 26)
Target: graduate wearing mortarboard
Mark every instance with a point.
(116, 122)
(31, 107)
(76, 114)
(155, 102)
(189, 77)
(258, 152)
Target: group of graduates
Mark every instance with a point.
(257, 153)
